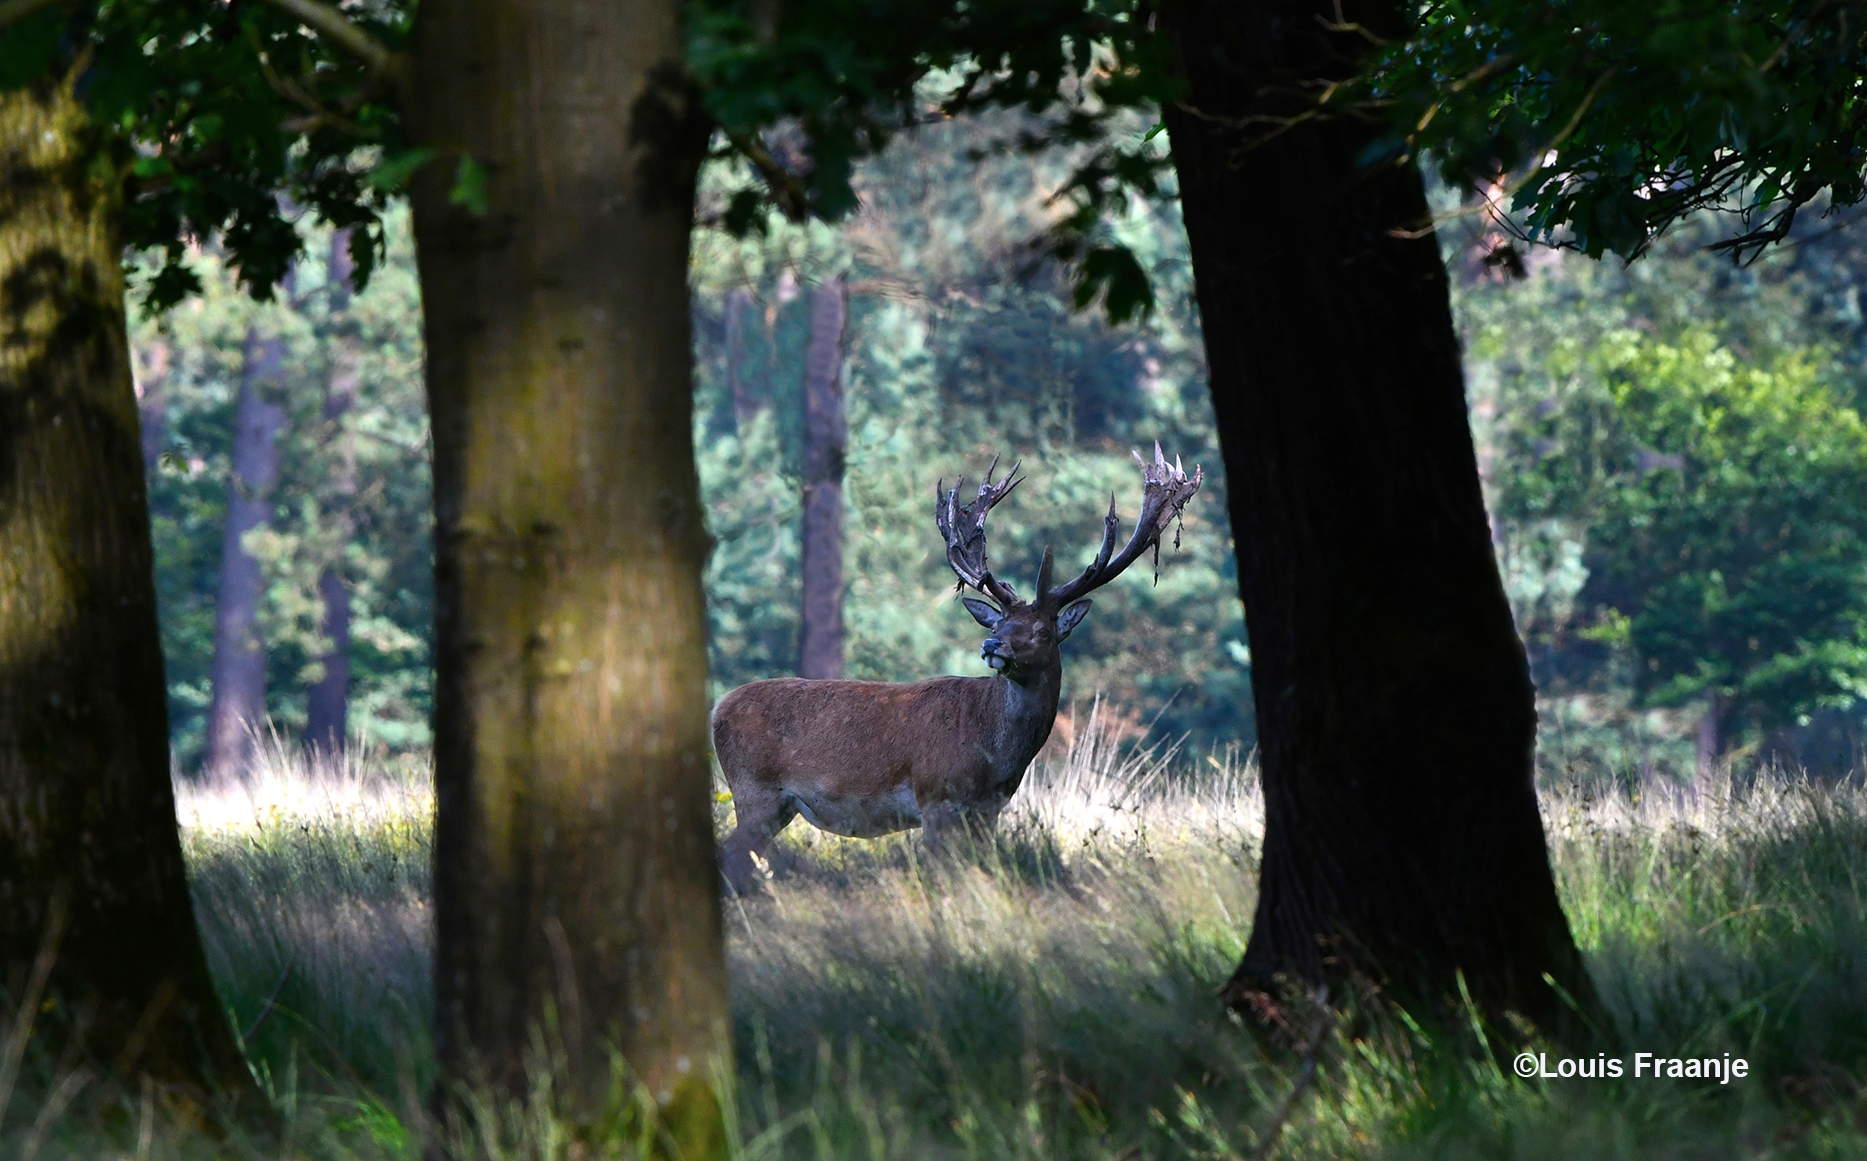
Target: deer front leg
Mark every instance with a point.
(758, 817)
(942, 822)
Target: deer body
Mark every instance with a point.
(867, 758)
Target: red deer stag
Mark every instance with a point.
(867, 758)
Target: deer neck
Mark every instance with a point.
(1028, 709)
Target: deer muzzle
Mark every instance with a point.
(990, 652)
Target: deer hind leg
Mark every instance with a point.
(760, 816)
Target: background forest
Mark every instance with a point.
(1673, 455)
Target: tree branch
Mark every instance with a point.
(787, 189)
(325, 20)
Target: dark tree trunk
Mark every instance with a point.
(574, 860)
(826, 439)
(1396, 717)
(746, 400)
(88, 844)
(328, 701)
(238, 705)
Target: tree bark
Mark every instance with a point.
(238, 704)
(1396, 718)
(328, 701)
(746, 401)
(826, 441)
(576, 891)
(88, 844)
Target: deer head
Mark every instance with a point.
(1025, 634)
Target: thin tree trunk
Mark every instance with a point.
(327, 703)
(238, 704)
(1396, 717)
(1710, 744)
(826, 440)
(88, 843)
(152, 403)
(576, 892)
(746, 401)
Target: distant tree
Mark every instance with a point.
(152, 379)
(327, 706)
(826, 442)
(237, 711)
(746, 400)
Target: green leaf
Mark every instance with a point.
(1116, 274)
(397, 169)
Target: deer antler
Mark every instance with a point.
(963, 529)
(1166, 489)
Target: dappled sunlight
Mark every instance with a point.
(361, 788)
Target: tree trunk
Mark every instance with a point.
(238, 705)
(1710, 744)
(746, 401)
(1396, 717)
(575, 885)
(327, 703)
(88, 843)
(826, 439)
(152, 404)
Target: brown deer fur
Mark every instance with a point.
(868, 758)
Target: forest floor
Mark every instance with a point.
(1052, 995)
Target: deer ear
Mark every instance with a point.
(983, 613)
(1071, 617)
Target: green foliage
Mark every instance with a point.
(1620, 120)
(1678, 501)
(191, 360)
(225, 121)
(1737, 546)
(805, 93)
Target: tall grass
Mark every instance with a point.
(1051, 992)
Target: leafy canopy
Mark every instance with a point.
(1609, 122)
(230, 121)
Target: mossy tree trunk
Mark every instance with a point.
(575, 884)
(1396, 717)
(88, 844)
